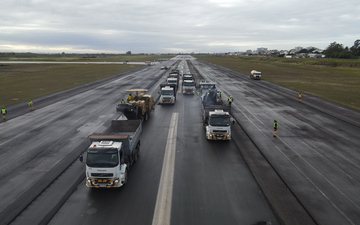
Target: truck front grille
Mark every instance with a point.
(219, 131)
(102, 174)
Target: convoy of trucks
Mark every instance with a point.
(256, 75)
(112, 153)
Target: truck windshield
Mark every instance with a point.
(167, 92)
(189, 84)
(172, 82)
(102, 158)
(220, 121)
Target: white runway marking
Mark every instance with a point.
(162, 212)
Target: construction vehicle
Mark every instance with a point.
(112, 153)
(138, 108)
(256, 75)
(167, 94)
(216, 116)
(204, 86)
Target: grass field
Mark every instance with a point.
(82, 57)
(21, 82)
(331, 79)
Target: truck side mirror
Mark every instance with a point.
(81, 158)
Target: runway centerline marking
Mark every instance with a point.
(162, 212)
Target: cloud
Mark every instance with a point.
(163, 25)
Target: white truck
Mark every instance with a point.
(167, 94)
(173, 81)
(256, 75)
(216, 116)
(112, 153)
(188, 87)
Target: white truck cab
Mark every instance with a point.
(188, 87)
(167, 95)
(255, 75)
(218, 125)
(105, 165)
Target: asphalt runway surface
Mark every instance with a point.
(211, 185)
(316, 155)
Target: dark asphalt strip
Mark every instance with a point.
(286, 206)
(13, 210)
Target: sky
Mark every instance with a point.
(172, 26)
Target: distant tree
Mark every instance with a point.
(355, 49)
(128, 53)
(336, 50)
(304, 50)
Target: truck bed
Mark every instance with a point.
(124, 126)
(120, 130)
(208, 108)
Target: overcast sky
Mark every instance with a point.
(175, 25)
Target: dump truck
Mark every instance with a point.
(256, 75)
(173, 81)
(112, 153)
(139, 107)
(216, 116)
(167, 94)
(188, 77)
(188, 87)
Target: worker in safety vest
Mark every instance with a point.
(300, 96)
(276, 128)
(230, 100)
(130, 98)
(3, 113)
(31, 105)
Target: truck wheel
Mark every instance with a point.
(135, 158)
(126, 177)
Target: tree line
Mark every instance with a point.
(337, 50)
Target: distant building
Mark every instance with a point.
(249, 52)
(262, 51)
